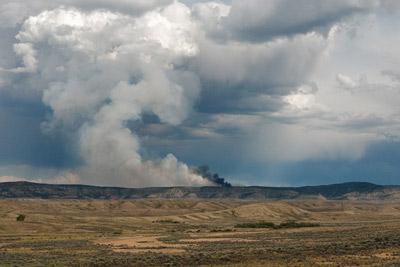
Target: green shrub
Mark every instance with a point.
(284, 225)
(293, 224)
(256, 225)
(165, 221)
(20, 218)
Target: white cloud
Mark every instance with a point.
(304, 99)
(28, 54)
(13, 12)
(66, 178)
(346, 81)
(209, 16)
(5, 179)
(391, 5)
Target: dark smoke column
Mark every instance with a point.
(204, 171)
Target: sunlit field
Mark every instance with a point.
(175, 233)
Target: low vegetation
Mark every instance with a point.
(21, 218)
(147, 233)
(165, 221)
(284, 225)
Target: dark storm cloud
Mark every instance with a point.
(379, 165)
(241, 98)
(241, 78)
(261, 20)
(123, 6)
(23, 142)
(7, 56)
(367, 123)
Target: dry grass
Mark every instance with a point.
(143, 233)
(140, 244)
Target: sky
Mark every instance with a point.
(140, 93)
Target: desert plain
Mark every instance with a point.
(198, 233)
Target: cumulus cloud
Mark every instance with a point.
(209, 16)
(346, 81)
(28, 54)
(14, 12)
(304, 98)
(250, 78)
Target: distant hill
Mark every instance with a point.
(344, 191)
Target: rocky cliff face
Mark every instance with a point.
(345, 191)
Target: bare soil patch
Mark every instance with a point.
(141, 244)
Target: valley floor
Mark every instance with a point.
(193, 233)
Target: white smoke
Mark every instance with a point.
(104, 69)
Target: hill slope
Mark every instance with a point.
(350, 191)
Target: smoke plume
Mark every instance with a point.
(204, 171)
(102, 69)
